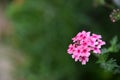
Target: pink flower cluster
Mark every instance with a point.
(83, 45)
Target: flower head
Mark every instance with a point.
(115, 15)
(83, 45)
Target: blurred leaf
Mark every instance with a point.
(102, 58)
(117, 70)
(109, 65)
(99, 2)
(114, 40)
(104, 50)
(114, 45)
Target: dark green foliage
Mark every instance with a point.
(105, 62)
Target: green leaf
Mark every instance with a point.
(114, 40)
(114, 45)
(104, 50)
(109, 65)
(102, 58)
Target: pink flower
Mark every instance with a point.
(96, 50)
(83, 59)
(76, 57)
(70, 49)
(77, 50)
(100, 43)
(85, 51)
(83, 44)
(92, 42)
(95, 36)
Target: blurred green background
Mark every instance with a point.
(42, 31)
